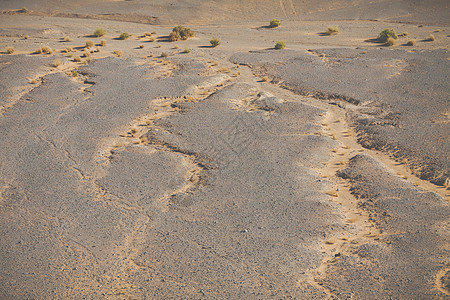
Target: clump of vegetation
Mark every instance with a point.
(164, 54)
(26, 37)
(57, 62)
(89, 44)
(159, 45)
(103, 43)
(74, 73)
(153, 32)
(404, 34)
(390, 42)
(274, 23)
(141, 46)
(68, 49)
(24, 10)
(33, 81)
(124, 36)
(118, 53)
(187, 50)
(87, 54)
(181, 33)
(265, 79)
(332, 30)
(10, 50)
(280, 45)
(411, 43)
(176, 47)
(99, 32)
(77, 59)
(387, 33)
(147, 34)
(43, 50)
(67, 39)
(214, 42)
(431, 38)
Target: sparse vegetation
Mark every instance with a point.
(159, 45)
(151, 40)
(68, 49)
(387, 33)
(103, 43)
(176, 47)
(74, 73)
(332, 30)
(57, 62)
(153, 32)
(411, 43)
(77, 59)
(118, 53)
(265, 79)
(99, 32)
(404, 34)
(24, 10)
(431, 38)
(280, 45)
(10, 50)
(124, 36)
(214, 42)
(164, 54)
(47, 50)
(274, 23)
(67, 39)
(33, 81)
(181, 33)
(26, 37)
(87, 54)
(390, 42)
(147, 34)
(141, 46)
(187, 50)
(90, 44)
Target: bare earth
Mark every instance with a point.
(238, 172)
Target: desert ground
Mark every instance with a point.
(144, 168)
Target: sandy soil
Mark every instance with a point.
(237, 172)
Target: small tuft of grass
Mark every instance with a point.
(77, 59)
(387, 33)
(274, 23)
(214, 42)
(99, 32)
(141, 46)
(124, 36)
(332, 30)
(118, 53)
(411, 43)
(390, 42)
(431, 38)
(89, 44)
(187, 50)
(67, 39)
(57, 62)
(10, 50)
(280, 45)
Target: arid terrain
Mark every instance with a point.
(145, 168)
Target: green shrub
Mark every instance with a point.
(280, 45)
(181, 33)
(274, 23)
(99, 32)
(387, 33)
(214, 42)
(187, 50)
(332, 30)
(124, 36)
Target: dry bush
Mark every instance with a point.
(181, 33)
(103, 43)
(89, 44)
(68, 49)
(77, 59)
(176, 47)
(141, 46)
(390, 42)
(26, 37)
(33, 81)
(10, 50)
(87, 54)
(332, 30)
(431, 38)
(214, 42)
(187, 50)
(164, 54)
(265, 79)
(147, 34)
(74, 73)
(99, 32)
(57, 62)
(118, 53)
(274, 23)
(411, 43)
(67, 39)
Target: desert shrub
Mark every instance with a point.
(390, 41)
(332, 30)
(26, 37)
(280, 45)
(77, 59)
(89, 44)
(159, 45)
(214, 42)
(10, 50)
(141, 46)
(99, 32)
(387, 33)
(57, 62)
(103, 43)
(151, 40)
(67, 39)
(74, 73)
(147, 34)
(118, 52)
(87, 54)
(176, 47)
(404, 34)
(24, 10)
(33, 81)
(265, 79)
(124, 36)
(164, 54)
(431, 38)
(68, 49)
(153, 32)
(274, 23)
(411, 43)
(181, 33)
(46, 49)
(187, 50)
